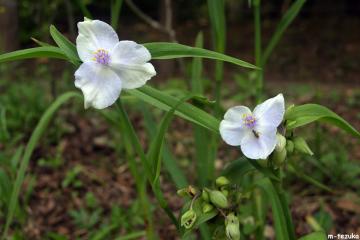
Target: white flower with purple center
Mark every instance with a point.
(254, 132)
(109, 65)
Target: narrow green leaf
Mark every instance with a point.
(65, 44)
(166, 102)
(34, 139)
(134, 235)
(170, 163)
(155, 152)
(308, 178)
(40, 43)
(304, 114)
(277, 210)
(38, 52)
(115, 12)
(315, 236)
(201, 135)
(286, 20)
(165, 50)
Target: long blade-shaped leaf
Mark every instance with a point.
(170, 163)
(304, 114)
(185, 110)
(155, 152)
(68, 47)
(277, 210)
(165, 50)
(38, 52)
(34, 139)
(286, 20)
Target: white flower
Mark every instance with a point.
(254, 132)
(109, 65)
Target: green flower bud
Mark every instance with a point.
(218, 199)
(205, 195)
(281, 142)
(301, 145)
(232, 228)
(289, 146)
(192, 190)
(183, 192)
(207, 207)
(225, 192)
(278, 158)
(188, 219)
(222, 181)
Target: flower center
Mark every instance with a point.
(249, 121)
(102, 56)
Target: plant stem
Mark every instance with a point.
(258, 61)
(140, 179)
(281, 193)
(131, 135)
(34, 139)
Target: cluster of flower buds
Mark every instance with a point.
(287, 146)
(211, 200)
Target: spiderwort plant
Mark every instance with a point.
(110, 66)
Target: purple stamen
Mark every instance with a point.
(102, 57)
(250, 121)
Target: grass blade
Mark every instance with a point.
(165, 50)
(37, 52)
(34, 139)
(281, 231)
(64, 44)
(170, 163)
(115, 12)
(286, 20)
(166, 102)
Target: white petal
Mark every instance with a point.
(94, 35)
(261, 147)
(232, 129)
(271, 112)
(129, 52)
(100, 85)
(133, 76)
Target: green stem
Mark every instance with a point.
(34, 139)
(281, 193)
(131, 135)
(140, 182)
(258, 60)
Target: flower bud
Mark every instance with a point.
(218, 199)
(289, 146)
(281, 142)
(278, 157)
(222, 181)
(188, 218)
(225, 192)
(192, 190)
(232, 229)
(183, 192)
(205, 195)
(301, 145)
(189, 191)
(207, 207)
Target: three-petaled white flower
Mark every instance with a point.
(254, 132)
(109, 65)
